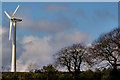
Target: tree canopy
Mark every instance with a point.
(72, 57)
(107, 47)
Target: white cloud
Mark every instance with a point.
(0, 47)
(44, 25)
(65, 38)
(75, 36)
(2, 31)
(6, 47)
(38, 50)
(41, 50)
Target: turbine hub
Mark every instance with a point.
(16, 19)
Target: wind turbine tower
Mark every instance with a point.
(13, 21)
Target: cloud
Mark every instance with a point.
(1, 32)
(7, 46)
(44, 25)
(66, 38)
(56, 23)
(75, 36)
(52, 7)
(104, 14)
(41, 50)
(37, 50)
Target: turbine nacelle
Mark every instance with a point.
(16, 19)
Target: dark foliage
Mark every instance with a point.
(105, 74)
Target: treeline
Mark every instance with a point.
(105, 74)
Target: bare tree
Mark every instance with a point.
(107, 48)
(71, 57)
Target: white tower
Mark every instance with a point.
(13, 20)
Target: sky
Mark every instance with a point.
(49, 26)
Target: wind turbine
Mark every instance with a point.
(13, 21)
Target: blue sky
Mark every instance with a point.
(91, 17)
(52, 26)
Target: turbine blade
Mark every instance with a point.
(15, 10)
(7, 14)
(10, 29)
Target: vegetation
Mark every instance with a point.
(84, 75)
(49, 69)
